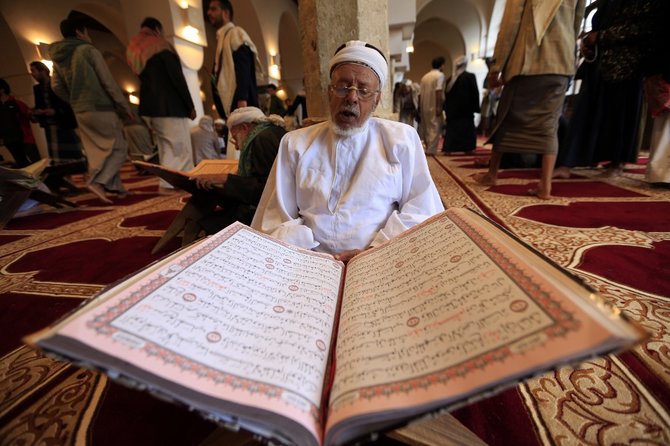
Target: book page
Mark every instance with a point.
(446, 310)
(213, 167)
(240, 317)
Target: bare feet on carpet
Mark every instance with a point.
(611, 172)
(561, 172)
(99, 192)
(124, 194)
(485, 179)
(539, 194)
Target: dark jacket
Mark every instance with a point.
(248, 190)
(164, 92)
(245, 77)
(64, 117)
(463, 98)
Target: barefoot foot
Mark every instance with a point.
(611, 172)
(561, 172)
(539, 194)
(99, 192)
(485, 179)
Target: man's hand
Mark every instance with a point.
(345, 256)
(211, 181)
(587, 44)
(494, 79)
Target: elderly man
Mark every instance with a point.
(354, 181)
(257, 137)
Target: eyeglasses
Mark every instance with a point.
(363, 94)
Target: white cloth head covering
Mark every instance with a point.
(460, 61)
(245, 114)
(252, 115)
(219, 121)
(206, 122)
(460, 64)
(356, 51)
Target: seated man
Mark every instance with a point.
(354, 181)
(257, 137)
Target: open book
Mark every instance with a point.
(183, 179)
(293, 346)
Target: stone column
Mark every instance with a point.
(324, 26)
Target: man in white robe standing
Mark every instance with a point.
(431, 101)
(354, 181)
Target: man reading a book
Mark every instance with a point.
(257, 137)
(354, 181)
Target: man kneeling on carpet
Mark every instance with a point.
(354, 181)
(257, 137)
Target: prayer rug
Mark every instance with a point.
(614, 234)
(617, 241)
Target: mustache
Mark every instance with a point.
(349, 109)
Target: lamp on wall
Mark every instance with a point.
(190, 32)
(132, 98)
(43, 54)
(274, 70)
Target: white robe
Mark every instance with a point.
(332, 193)
(430, 127)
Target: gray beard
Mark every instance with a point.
(350, 131)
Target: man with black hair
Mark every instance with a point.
(236, 63)
(15, 131)
(57, 119)
(431, 101)
(277, 106)
(165, 101)
(81, 78)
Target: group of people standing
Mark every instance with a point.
(533, 63)
(455, 98)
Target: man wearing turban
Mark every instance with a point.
(257, 138)
(353, 181)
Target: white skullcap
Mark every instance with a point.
(356, 51)
(460, 61)
(253, 115)
(219, 121)
(245, 114)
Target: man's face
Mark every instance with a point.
(239, 134)
(217, 16)
(39, 76)
(350, 112)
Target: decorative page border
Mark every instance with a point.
(563, 322)
(101, 324)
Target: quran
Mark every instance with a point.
(185, 180)
(298, 348)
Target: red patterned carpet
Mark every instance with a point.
(615, 234)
